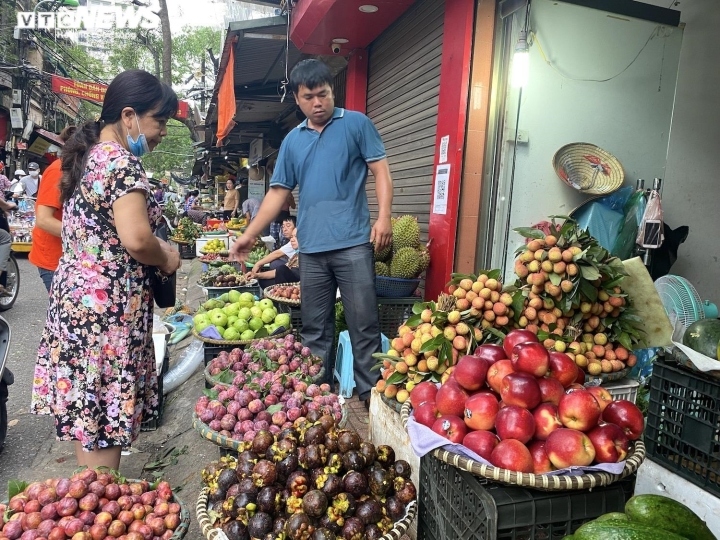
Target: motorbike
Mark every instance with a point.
(6, 379)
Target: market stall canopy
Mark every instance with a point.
(41, 140)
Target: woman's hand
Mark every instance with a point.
(256, 268)
(173, 262)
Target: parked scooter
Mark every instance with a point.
(6, 378)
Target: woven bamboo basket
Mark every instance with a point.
(211, 380)
(543, 482)
(268, 294)
(212, 533)
(238, 342)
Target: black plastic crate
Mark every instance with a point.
(187, 251)
(392, 312)
(683, 424)
(456, 505)
(154, 422)
(296, 320)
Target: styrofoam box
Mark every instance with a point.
(656, 479)
(387, 428)
(200, 242)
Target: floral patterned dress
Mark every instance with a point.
(95, 370)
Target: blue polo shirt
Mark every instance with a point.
(330, 169)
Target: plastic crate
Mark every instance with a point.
(456, 505)
(153, 423)
(623, 389)
(187, 251)
(213, 292)
(683, 424)
(392, 312)
(296, 320)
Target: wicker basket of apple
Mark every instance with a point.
(93, 505)
(521, 409)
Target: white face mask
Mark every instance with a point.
(34, 174)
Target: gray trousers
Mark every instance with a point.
(352, 271)
(5, 246)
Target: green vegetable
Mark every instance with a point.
(613, 516)
(665, 513)
(623, 530)
(703, 336)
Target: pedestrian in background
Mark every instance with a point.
(328, 156)
(276, 226)
(46, 244)
(95, 370)
(4, 182)
(31, 182)
(250, 209)
(231, 200)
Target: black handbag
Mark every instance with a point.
(163, 286)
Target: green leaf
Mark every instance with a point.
(226, 376)
(396, 378)
(419, 307)
(543, 335)
(272, 409)
(495, 332)
(432, 344)
(588, 290)
(518, 304)
(624, 340)
(209, 392)
(589, 273)
(413, 321)
(261, 332)
(555, 279)
(16, 487)
(529, 232)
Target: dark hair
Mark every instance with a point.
(68, 132)
(310, 73)
(133, 88)
(292, 219)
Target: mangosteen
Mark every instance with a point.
(226, 479)
(326, 522)
(217, 506)
(315, 503)
(268, 500)
(244, 499)
(328, 422)
(353, 529)
(348, 440)
(355, 483)
(401, 468)
(332, 485)
(259, 525)
(343, 504)
(334, 463)
(386, 524)
(367, 449)
(298, 483)
(379, 481)
(394, 508)
(264, 473)
(323, 534)
(299, 527)
(247, 485)
(262, 441)
(235, 530)
(373, 532)
(232, 491)
(369, 511)
(385, 455)
(287, 466)
(244, 469)
(315, 456)
(247, 455)
(404, 490)
(228, 507)
(290, 434)
(279, 526)
(215, 494)
(293, 505)
(314, 435)
(331, 442)
(353, 461)
(280, 450)
(313, 416)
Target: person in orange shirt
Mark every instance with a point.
(46, 243)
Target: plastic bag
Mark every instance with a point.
(651, 234)
(601, 222)
(191, 359)
(634, 209)
(618, 199)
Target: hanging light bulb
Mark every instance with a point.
(521, 62)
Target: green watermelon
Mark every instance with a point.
(703, 336)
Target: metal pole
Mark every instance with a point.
(202, 79)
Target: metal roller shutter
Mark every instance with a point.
(403, 90)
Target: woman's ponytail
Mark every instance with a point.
(74, 156)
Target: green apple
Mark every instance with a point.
(266, 303)
(256, 311)
(241, 325)
(268, 315)
(202, 325)
(231, 334)
(232, 309)
(247, 335)
(247, 297)
(283, 319)
(209, 304)
(255, 323)
(245, 313)
(234, 296)
(271, 328)
(201, 317)
(223, 297)
(231, 320)
(218, 318)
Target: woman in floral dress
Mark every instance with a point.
(96, 365)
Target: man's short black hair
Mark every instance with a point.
(291, 219)
(310, 73)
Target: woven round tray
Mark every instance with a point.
(268, 294)
(250, 283)
(212, 533)
(178, 241)
(238, 342)
(543, 482)
(588, 168)
(223, 253)
(211, 380)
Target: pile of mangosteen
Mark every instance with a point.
(312, 481)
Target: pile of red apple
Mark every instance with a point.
(521, 407)
(91, 506)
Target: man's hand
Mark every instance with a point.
(256, 268)
(241, 248)
(381, 234)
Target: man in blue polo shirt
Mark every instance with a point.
(328, 157)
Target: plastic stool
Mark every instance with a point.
(343, 371)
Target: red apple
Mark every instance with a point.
(579, 410)
(532, 358)
(580, 377)
(516, 337)
(546, 420)
(562, 368)
(481, 442)
(491, 353)
(481, 410)
(513, 455)
(521, 389)
(470, 372)
(550, 390)
(610, 442)
(627, 416)
(450, 399)
(541, 462)
(426, 413)
(515, 422)
(451, 427)
(569, 448)
(425, 391)
(497, 372)
(601, 395)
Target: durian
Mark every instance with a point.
(406, 233)
(382, 269)
(424, 259)
(384, 255)
(405, 263)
